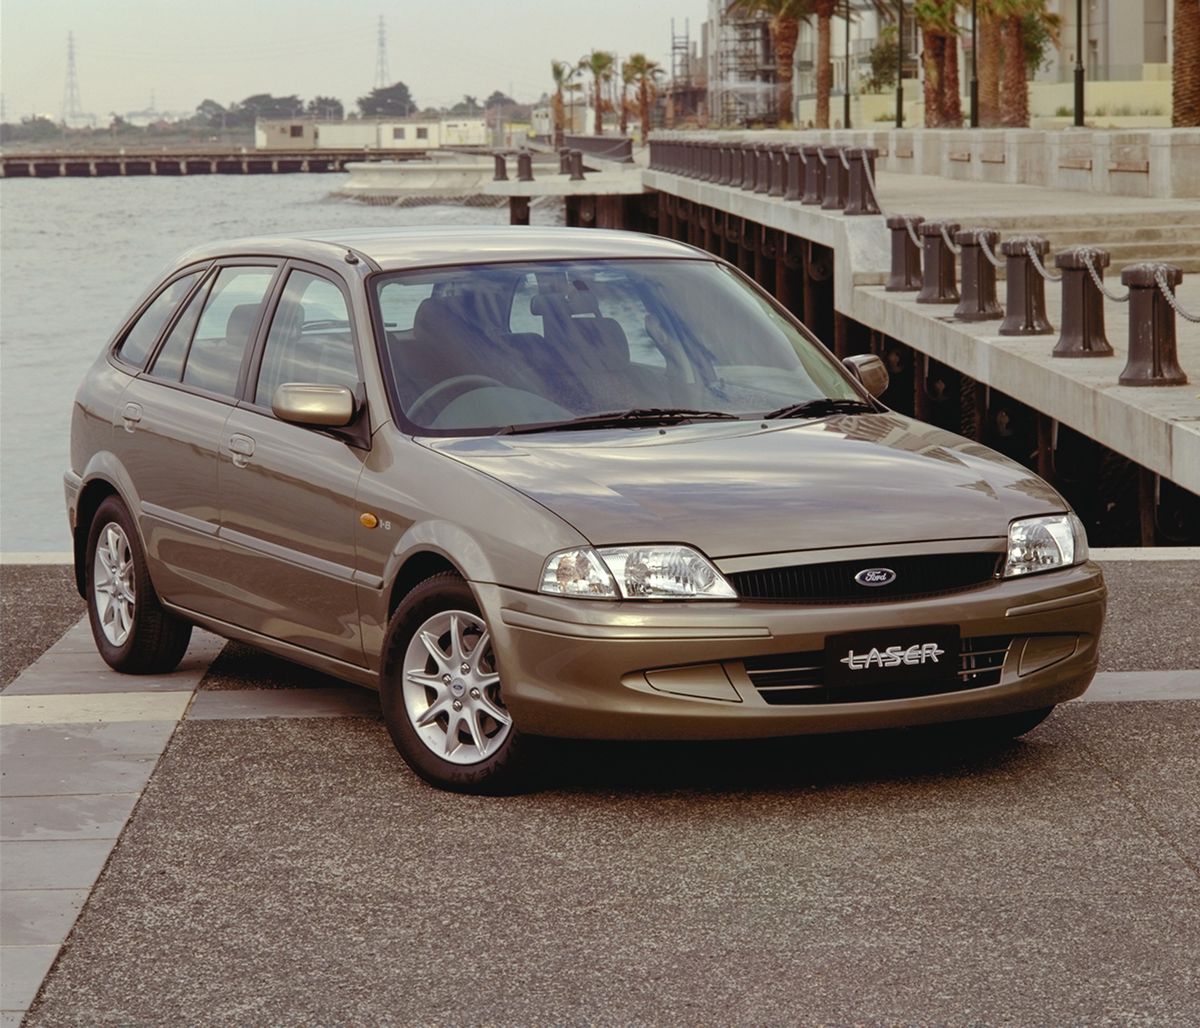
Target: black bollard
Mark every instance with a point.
(762, 179)
(794, 156)
(1153, 356)
(938, 282)
(835, 179)
(576, 165)
(736, 166)
(1026, 300)
(564, 159)
(524, 166)
(906, 256)
(725, 164)
(978, 276)
(779, 168)
(1082, 332)
(859, 197)
(501, 174)
(749, 167)
(814, 176)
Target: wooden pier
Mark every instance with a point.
(98, 164)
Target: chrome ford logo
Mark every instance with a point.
(875, 576)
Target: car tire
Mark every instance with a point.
(134, 633)
(440, 695)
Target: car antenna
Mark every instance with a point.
(351, 257)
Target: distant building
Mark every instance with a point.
(368, 134)
(741, 67)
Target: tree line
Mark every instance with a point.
(633, 85)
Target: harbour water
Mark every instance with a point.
(75, 254)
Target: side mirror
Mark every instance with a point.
(869, 370)
(305, 403)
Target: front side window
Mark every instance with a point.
(309, 340)
(144, 332)
(225, 327)
(482, 348)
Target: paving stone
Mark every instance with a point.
(350, 701)
(56, 864)
(92, 708)
(39, 917)
(33, 776)
(85, 740)
(32, 818)
(1140, 686)
(24, 969)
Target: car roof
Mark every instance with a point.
(431, 246)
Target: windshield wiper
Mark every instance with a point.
(820, 407)
(622, 418)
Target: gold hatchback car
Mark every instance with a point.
(557, 482)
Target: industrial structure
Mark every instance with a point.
(741, 67)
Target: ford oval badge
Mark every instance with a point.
(875, 576)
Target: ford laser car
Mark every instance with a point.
(555, 482)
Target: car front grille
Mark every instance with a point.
(922, 575)
(791, 679)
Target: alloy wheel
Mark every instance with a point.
(113, 584)
(451, 688)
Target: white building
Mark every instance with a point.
(368, 134)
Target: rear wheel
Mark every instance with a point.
(134, 633)
(441, 694)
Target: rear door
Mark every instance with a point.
(288, 511)
(172, 415)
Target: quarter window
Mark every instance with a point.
(173, 352)
(225, 328)
(310, 338)
(140, 338)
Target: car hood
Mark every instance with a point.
(737, 488)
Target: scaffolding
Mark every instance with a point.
(743, 90)
(686, 91)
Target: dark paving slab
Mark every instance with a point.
(38, 602)
(56, 864)
(24, 969)
(294, 871)
(1152, 623)
(243, 667)
(39, 775)
(226, 704)
(39, 917)
(65, 817)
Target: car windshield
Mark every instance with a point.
(539, 346)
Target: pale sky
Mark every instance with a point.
(182, 51)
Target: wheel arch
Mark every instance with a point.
(93, 493)
(416, 568)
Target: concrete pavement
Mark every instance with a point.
(282, 865)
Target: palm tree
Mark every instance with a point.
(600, 64)
(643, 74)
(784, 25)
(1185, 89)
(938, 43)
(626, 82)
(562, 72)
(989, 67)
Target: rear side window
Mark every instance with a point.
(225, 327)
(310, 338)
(144, 332)
(173, 352)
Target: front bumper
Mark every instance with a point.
(579, 668)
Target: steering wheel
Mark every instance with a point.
(457, 382)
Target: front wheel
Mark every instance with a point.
(441, 695)
(134, 633)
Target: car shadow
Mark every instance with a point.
(775, 764)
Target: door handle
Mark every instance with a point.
(242, 449)
(131, 415)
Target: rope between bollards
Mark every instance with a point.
(1164, 287)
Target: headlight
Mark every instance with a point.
(1041, 544)
(635, 573)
